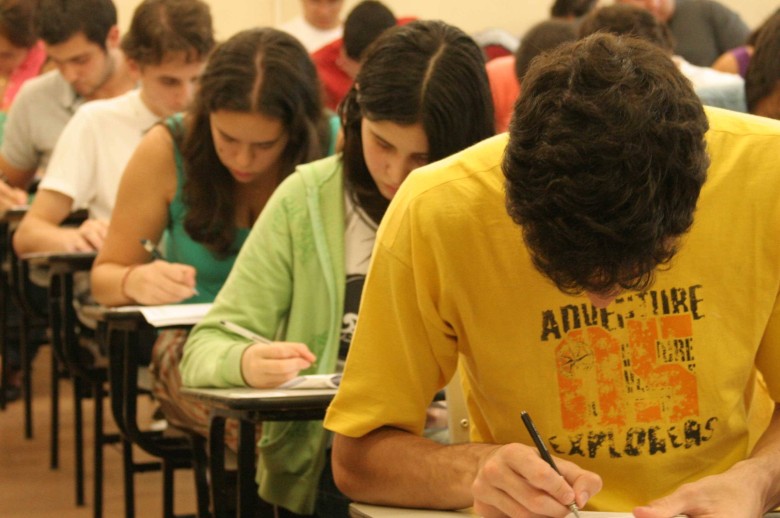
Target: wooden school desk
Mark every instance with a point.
(250, 406)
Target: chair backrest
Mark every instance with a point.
(458, 422)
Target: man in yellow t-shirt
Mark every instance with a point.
(613, 268)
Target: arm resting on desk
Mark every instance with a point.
(40, 229)
(391, 467)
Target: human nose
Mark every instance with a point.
(184, 96)
(244, 157)
(68, 71)
(398, 170)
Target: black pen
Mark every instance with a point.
(152, 249)
(529, 424)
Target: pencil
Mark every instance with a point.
(244, 332)
(545, 454)
(152, 249)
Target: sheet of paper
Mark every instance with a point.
(313, 381)
(170, 315)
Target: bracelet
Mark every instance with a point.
(123, 283)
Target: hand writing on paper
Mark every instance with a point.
(270, 365)
(160, 282)
(11, 196)
(736, 493)
(514, 481)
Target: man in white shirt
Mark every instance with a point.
(318, 25)
(166, 48)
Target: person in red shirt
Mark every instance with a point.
(339, 61)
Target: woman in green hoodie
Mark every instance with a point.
(421, 95)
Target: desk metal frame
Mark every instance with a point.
(127, 333)
(301, 405)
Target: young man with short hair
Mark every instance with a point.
(81, 38)
(166, 48)
(611, 267)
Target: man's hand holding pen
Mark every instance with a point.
(514, 481)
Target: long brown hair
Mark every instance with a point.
(262, 71)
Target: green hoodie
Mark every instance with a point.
(288, 284)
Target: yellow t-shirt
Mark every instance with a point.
(651, 392)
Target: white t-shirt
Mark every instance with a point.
(93, 150)
(359, 238)
(311, 37)
(713, 87)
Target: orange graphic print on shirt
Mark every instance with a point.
(604, 383)
(626, 375)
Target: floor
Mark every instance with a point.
(28, 488)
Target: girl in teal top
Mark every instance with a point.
(421, 95)
(203, 177)
(180, 247)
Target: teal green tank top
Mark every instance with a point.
(181, 248)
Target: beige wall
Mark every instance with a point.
(233, 15)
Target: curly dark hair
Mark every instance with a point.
(263, 71)
(763, 71)
(605, 162)
(427, 72)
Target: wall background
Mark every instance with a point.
(470, 15)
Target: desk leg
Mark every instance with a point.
(247, 490)
(54, 444)
(217, 465)
(26, 362)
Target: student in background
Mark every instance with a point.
(713, 88)
(204, 176)
(762, 81)
(571, 9)
(81, 39)
(736, 60)
(166, 49)
(702, 29)
(201, 178)
(339, 61)
(543, 265)
(298, 279)
(318, 25)
(22, 54)
(506, 73)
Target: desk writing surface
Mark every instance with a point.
(62, 262)
(245, 398)
(169, 314)
(375, 511)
